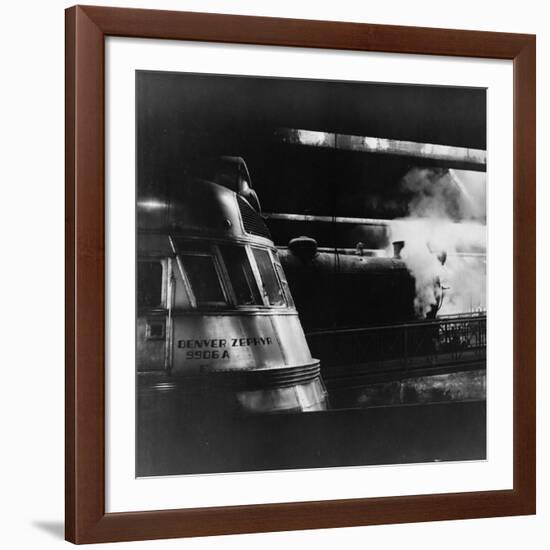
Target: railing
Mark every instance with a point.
(444, 341)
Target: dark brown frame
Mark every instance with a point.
(86, 29)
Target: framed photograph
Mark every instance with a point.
(300, 274)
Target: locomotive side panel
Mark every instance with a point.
(210, 343)
(152, 326)
(345, 290)
(151, 343)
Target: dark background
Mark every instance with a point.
(184, 119)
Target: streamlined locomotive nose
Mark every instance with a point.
(228, 315)
(264, 358)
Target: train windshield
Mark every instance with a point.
(284, 282)
(203, 278)
(241, 275)
(272, 287)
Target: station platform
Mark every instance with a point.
(169, 441)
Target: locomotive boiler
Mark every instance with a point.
(347, 288)
(215, 315)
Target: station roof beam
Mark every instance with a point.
(446, 156)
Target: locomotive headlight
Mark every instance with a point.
(151, 204)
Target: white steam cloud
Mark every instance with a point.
(446, 222)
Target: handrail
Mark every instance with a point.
(461, 317)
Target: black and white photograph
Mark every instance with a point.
(311, 273)
(290, 287)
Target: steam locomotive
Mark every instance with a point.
(335, 288)
(215, 315)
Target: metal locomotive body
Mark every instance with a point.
(214, 307)
(344, 288)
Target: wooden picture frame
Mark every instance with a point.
(86, 30)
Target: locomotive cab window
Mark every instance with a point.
(241, 275)
(149, 284)
(282, 278)
(272, 288)
(204, 279)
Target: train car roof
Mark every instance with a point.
(201, 208)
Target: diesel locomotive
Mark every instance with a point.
(215, 315)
